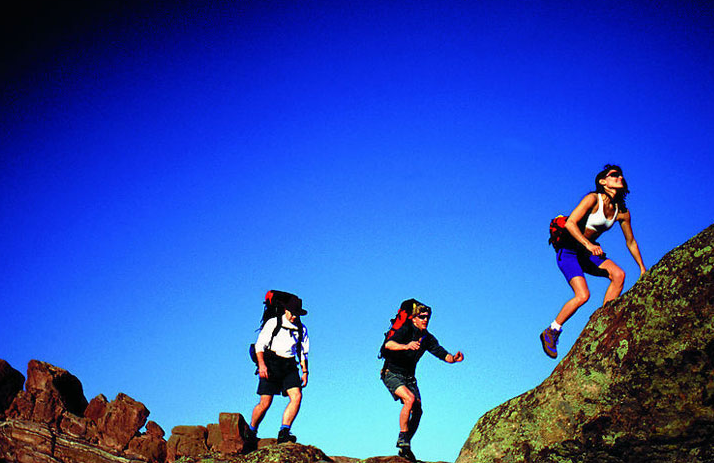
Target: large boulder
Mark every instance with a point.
(51, 394)
(226, 439)
(94, 412)
(11, 382)
(52, 383)
(122, 420)
(149, 446)
(233, 429)
(187, 441)
(638, 385)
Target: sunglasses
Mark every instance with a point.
(614, 174)
(423, 317)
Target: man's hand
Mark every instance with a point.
(262, 370)
(304, 379)
(414, 345)
(457, 357)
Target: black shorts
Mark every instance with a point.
(282, 375)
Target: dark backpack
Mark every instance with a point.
(558, 233)
(274, 306)
(406, 309)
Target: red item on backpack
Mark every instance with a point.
(406, 310)
(558, 232)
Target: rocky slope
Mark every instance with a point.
(638, 385)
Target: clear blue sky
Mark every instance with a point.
(160, 170)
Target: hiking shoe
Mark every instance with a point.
(405, 447)
(285, 436)
(251, 440)
(549, 340)
(406, 452)
(403, 440)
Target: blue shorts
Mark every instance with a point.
(575, 263)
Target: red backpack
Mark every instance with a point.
(405, 311)
(558, 232)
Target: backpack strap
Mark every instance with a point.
(277, 329)
(298, 348)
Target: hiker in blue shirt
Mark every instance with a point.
(402, 350)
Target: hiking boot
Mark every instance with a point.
(405, 447)
(406, 452)
(549, 340)
(285, 436)
(403, 441)
(251, 440)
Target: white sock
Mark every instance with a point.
(556, 326)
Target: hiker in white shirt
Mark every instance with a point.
(282, 342)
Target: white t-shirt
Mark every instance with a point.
(285, 341)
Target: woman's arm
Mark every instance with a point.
(580, 211)
(626, 225)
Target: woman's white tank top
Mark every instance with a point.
(597, 221)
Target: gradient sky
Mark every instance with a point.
(161, 169)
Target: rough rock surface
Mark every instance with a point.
(232, 428)
(638, 385)
(51, 421)
(187, 441)
(294, 453)
(122, 419)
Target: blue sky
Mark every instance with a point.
(160, 170)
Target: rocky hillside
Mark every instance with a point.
(638, 386)
(47, 419)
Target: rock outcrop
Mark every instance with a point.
(51, 421)
(637, 386)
